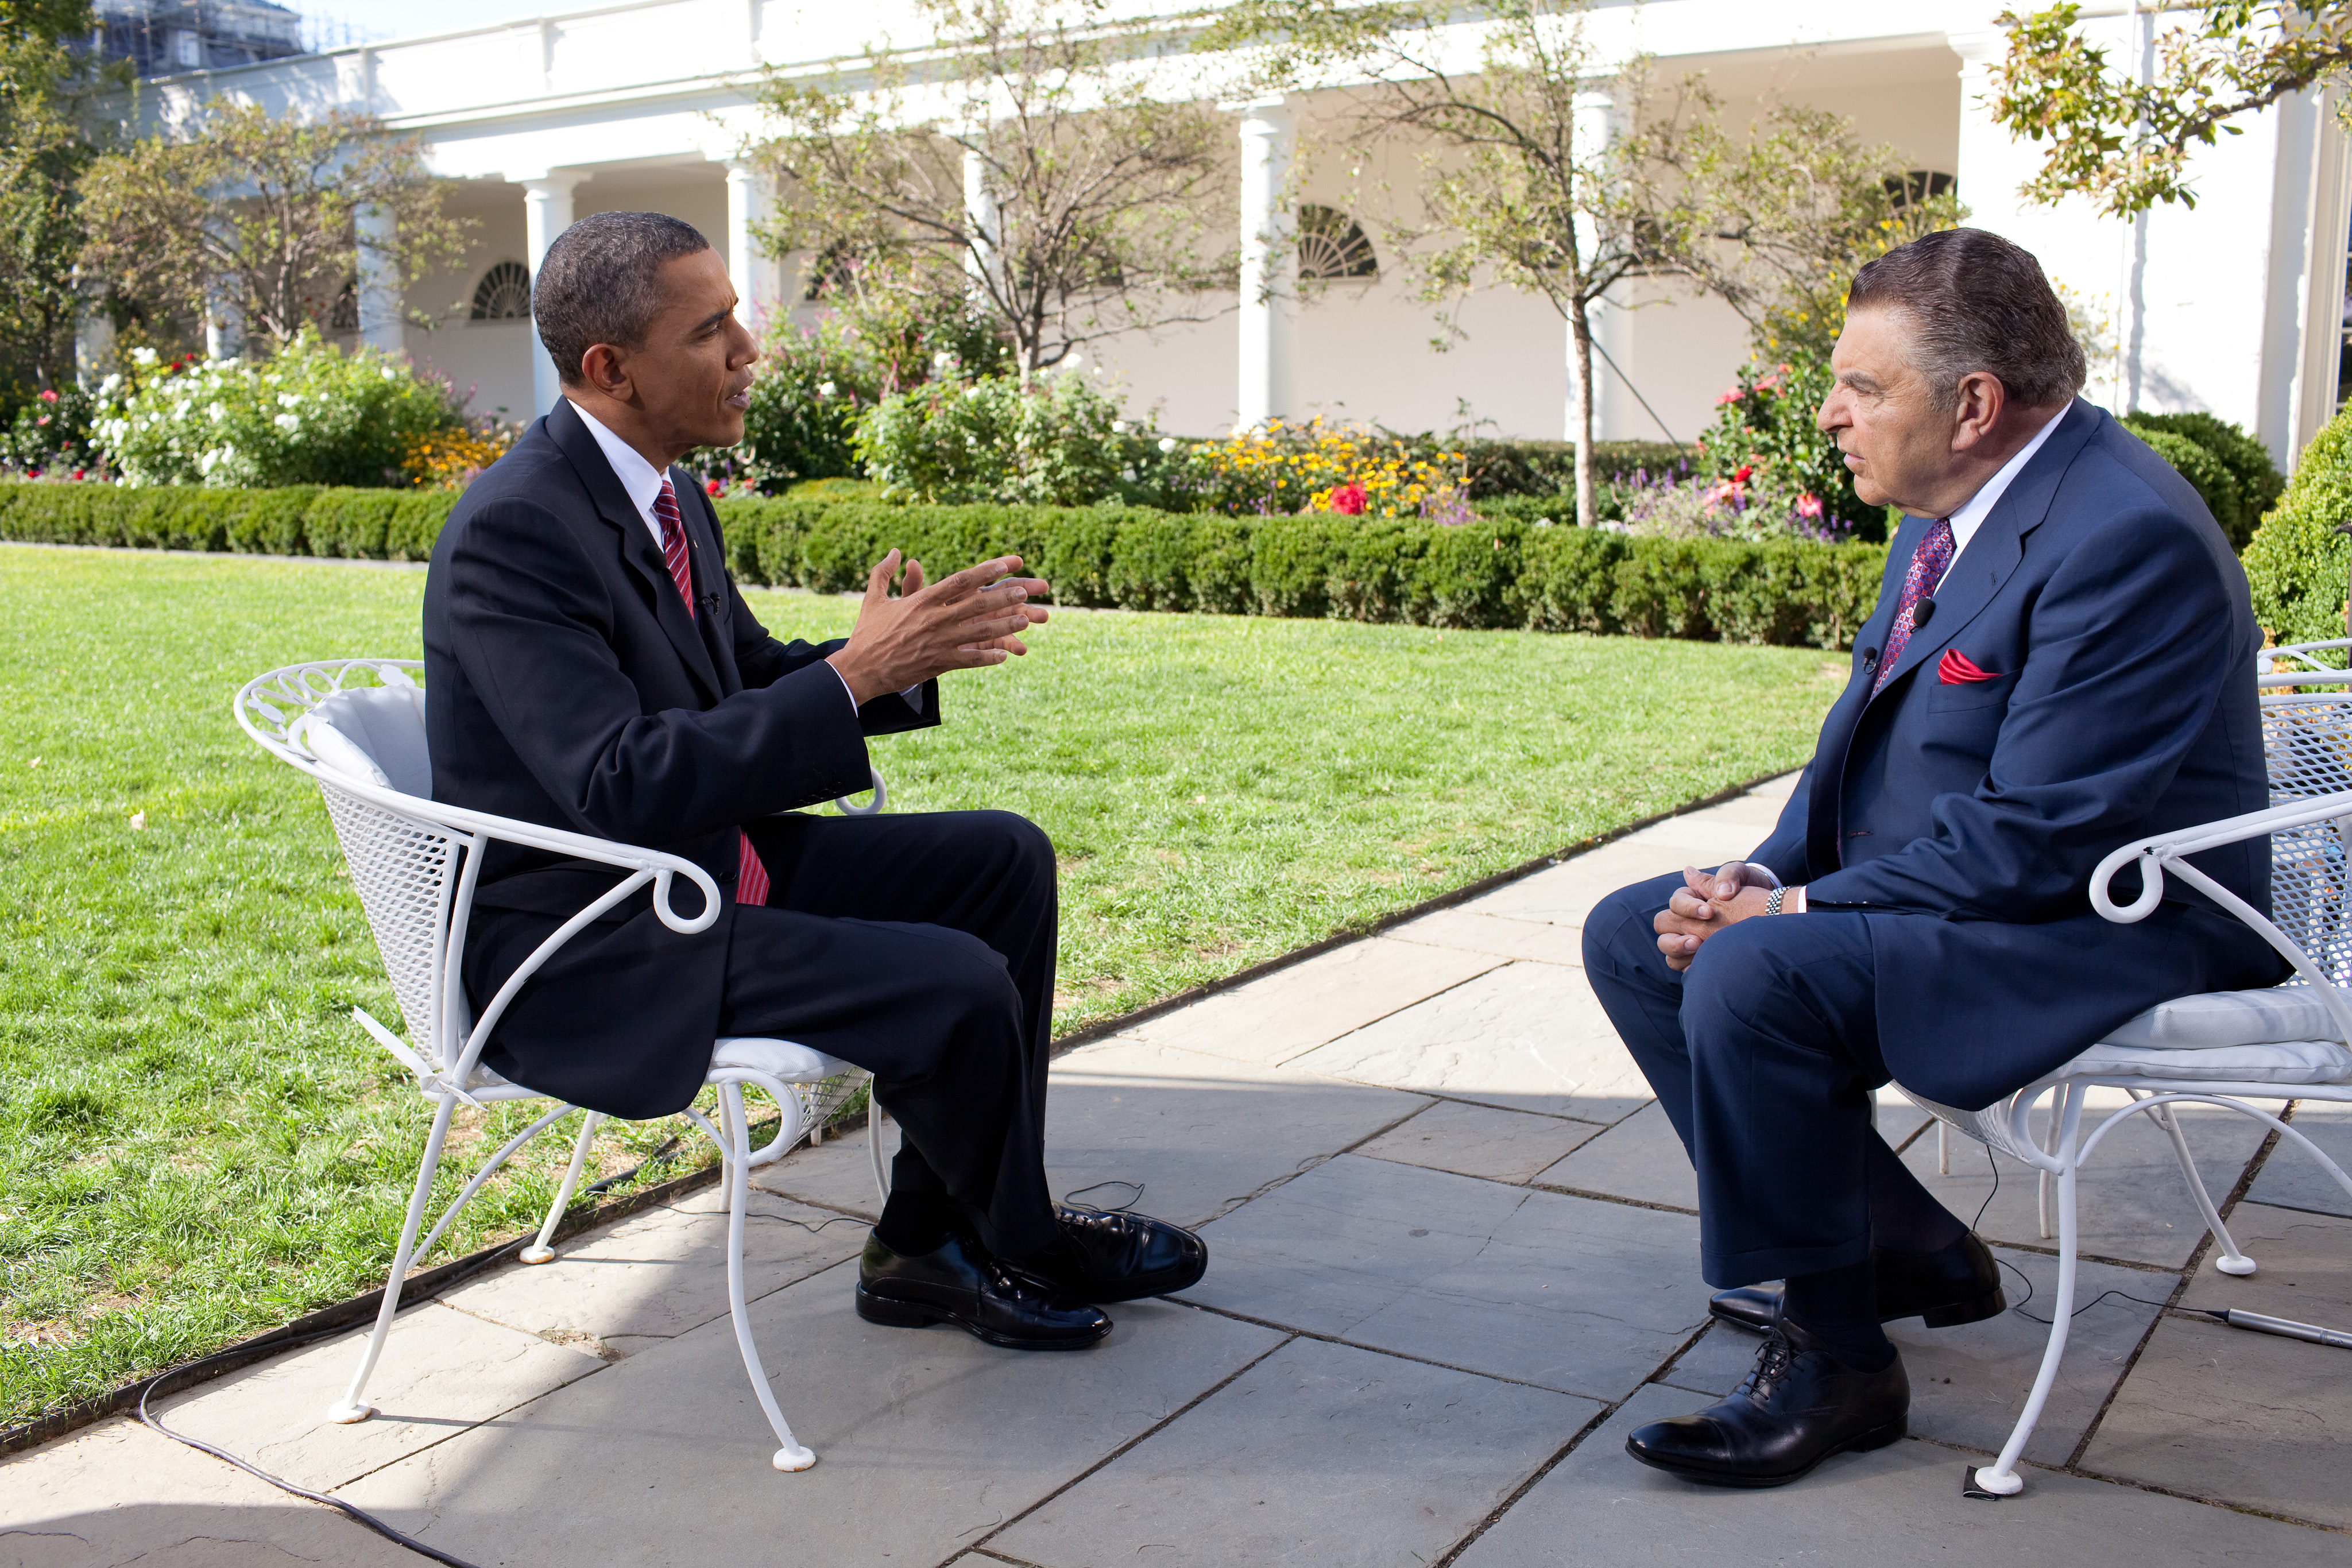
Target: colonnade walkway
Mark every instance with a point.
(1453, 1262)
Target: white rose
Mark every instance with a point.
(1118, 427)
(825, 389)
(1167, 443)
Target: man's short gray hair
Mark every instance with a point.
(597, 283)
(1976, 302)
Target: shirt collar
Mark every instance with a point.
(640, 479)
(1966, 520)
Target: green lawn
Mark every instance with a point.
(195, 1144)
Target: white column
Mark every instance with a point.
(1269, 301)
(986, 223)
(1596, 127)
(749, 267)
(547, 212)
(224, 327)
(382, 323)
(93, 347)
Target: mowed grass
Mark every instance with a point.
(195, 1142)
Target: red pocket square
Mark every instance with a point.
(1956, 668)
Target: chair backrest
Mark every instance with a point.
(2308, 746)
(362, 719)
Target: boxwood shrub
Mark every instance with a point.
(1504, 570)
(2296, 562)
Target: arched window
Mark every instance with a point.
(504, 293)
(835, 272)
(1918, 185)
(1333, 246)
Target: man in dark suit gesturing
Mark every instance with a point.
(593, 667)
(2061, 661)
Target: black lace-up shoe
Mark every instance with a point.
(1799, 1405)
(1104, 1255)
(959, 1283)
(1960, 1284)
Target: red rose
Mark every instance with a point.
(1348, 498)
(48, 397)
(1741, 477)
(715, 487)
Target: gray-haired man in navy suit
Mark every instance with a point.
(593, 667)
(2062, 661)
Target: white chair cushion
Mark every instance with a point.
(779, 1059)
(2229, 1017)
(2284, 1063)
(376, 735)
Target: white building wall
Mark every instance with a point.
(645, 100)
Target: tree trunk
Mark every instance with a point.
(1579, 371)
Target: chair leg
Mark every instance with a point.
(538, 1251)
(792, 1456)
(2229, 1261)
(2000, 1478)
(1943, 1147)
(2041, 1195)
(353, 1407)
(874, 1146)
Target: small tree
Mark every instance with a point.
(2125, 143)
(46, 144)
(260, 214)
(1529, 183)
(1097, 187)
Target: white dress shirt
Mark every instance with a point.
(643, 482)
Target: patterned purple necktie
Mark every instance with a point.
(750, 873)
(1927, 565)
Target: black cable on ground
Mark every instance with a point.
(350, 1511)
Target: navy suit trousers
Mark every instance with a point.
(1763, 1055)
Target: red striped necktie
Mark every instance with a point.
(1928, 562)
(750, 876)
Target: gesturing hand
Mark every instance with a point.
(959, 623)
(1705, 904)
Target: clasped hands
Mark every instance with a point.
(965, 622)
(1706, 904)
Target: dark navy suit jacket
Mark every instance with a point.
(1966, 817)
(570, 687)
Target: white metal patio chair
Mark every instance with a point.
(2291, 1042)
(357, 728)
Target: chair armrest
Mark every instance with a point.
(2168, 851)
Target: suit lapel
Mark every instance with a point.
(635, 542)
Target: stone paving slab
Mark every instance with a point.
(836, 1176)
(116, 1494)
(1480, 1141)
(1901, 1504)
(1969, 1384)
(1470, 927)
(1200, 1132)
(2290, 1179)
(443, 1371)
(1570, 1294)
(654, 1275)
(1640, 1158)
(926, 1440)
(1565, 893)
(1320, 1454)
(2244, 1418)
(1295, 1010)
(1526, 1037)
(2130, 1201)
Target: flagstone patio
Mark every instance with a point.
(1453, 1261)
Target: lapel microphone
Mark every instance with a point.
(1922, 613)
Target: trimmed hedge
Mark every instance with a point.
(1493, 571)
(2296, 563)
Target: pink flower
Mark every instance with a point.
(48, 397)
(77, 473)
(1348, 498)
(715, 487)
(1808, 506)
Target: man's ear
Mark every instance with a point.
(606, 368)
(1977, 409)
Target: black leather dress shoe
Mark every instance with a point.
(959, 1283)
(1799, 1405)
(1960, 1284)
(1115, 1256)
